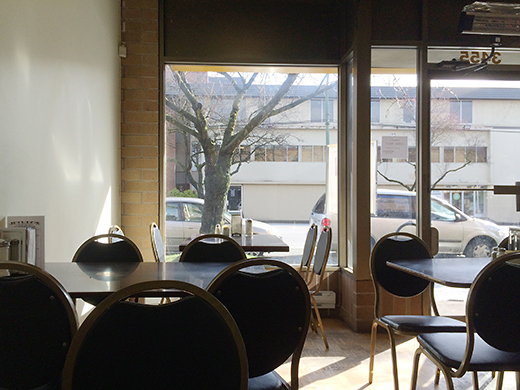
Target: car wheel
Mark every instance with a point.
(480, 247)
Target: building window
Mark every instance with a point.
(461, 154)
(435, 154)
(280, 153)
(320, 111)
(314, 153)
(409, 111)
(462, 111)
(412, 154)
(449, 154)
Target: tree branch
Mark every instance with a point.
(409, 188)
(449, 171)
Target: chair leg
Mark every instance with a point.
(475, 380)
(393, 353)
(500, 380)
(437, 376)
(393, 350)
(372, 352)
(320, 323)
(415, 369)
(445, 372)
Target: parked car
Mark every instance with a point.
(184, 216)
(459, 234)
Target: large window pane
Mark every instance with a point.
(274, 157)
(395, 137)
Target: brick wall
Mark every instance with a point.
(140, 140)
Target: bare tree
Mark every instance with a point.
(212, 112)
(443, 127)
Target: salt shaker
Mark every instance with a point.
(249, 227)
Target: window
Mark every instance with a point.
(449, 154)
(192, 212)
(441, 213)
(462, 111)
(315, 153)
(263, 159)
(320, 111)
(435, 154)
(461, 154)
(412, 154)
(390, 206)
(172, 211)
(409, 111)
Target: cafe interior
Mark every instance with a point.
(82, 139)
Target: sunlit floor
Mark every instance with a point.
(345, 364)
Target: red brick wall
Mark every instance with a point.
(140, 129)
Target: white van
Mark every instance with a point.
(459, 234)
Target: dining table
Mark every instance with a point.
(99, 279)
(251, 243)
(457, 272)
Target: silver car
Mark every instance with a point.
(459, 234)
(184, 216)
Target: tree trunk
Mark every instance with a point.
(217, 179)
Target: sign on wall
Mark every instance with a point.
(394, 147)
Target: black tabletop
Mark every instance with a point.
(448, 271)
(83, 280)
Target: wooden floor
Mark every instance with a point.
(345, 365)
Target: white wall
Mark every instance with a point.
(60, 117)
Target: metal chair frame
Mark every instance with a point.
(319, 266)
(59, 295)
(511, 356)
(186, 252)
(410, 286)
(308, 252)
(157, 243)
(234, 268)
(127, 292)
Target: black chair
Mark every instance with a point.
(271, 304)
(216, 248)
(190, 344)
(318, 273)
(37, 324)
(401, 245)
(492, 339)
(308, 251)
(107, 248)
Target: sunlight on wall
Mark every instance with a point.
(105, 219)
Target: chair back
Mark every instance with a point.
(493, 306)
(271, 304)
(308, 251)
(192, 343)
(321, 258)
(216, 248)
(37, 324)
(393, 246)
(95, 250)
(115, 229)
(157, 243)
